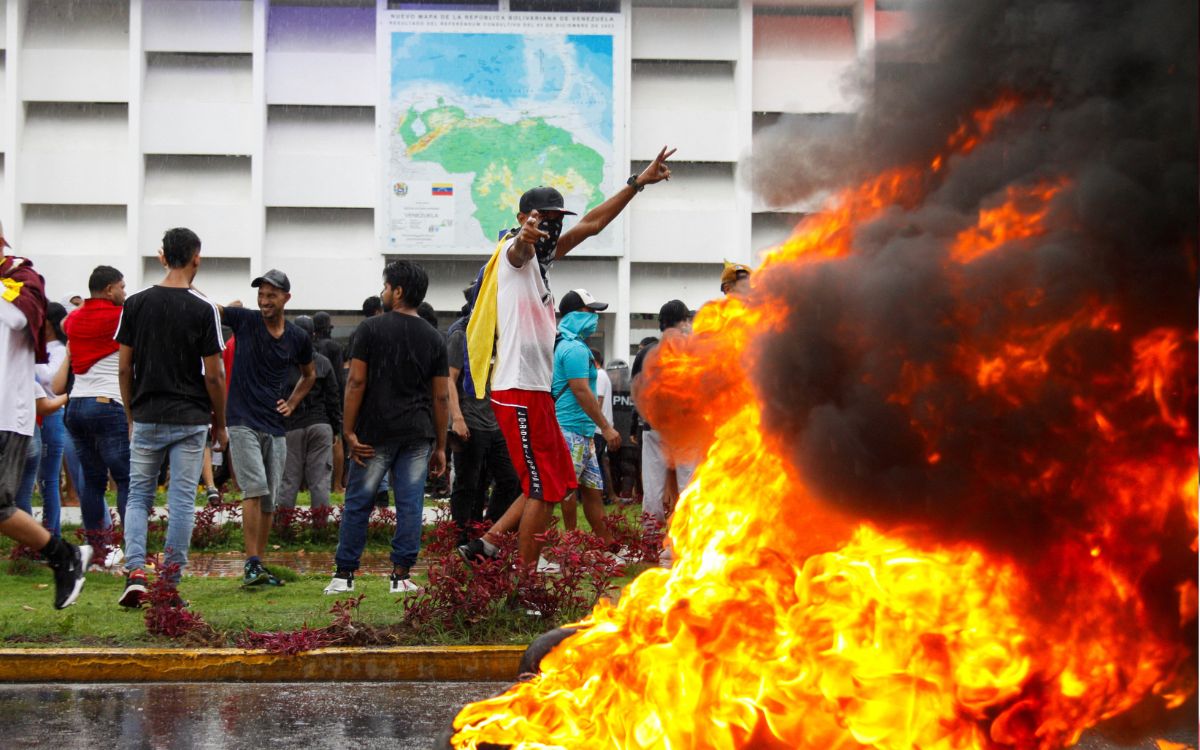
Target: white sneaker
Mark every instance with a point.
(113, 558)
(545, 566)
(404, 585)
(340, 585)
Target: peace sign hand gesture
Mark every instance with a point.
(657, 170)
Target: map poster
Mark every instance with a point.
(482, 106)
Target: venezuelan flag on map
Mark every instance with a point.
(443, 188)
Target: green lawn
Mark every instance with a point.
(27, 617)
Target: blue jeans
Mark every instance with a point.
(29, 472)
(408, 468)
(54, 443)
(183, 446)
(101, 438)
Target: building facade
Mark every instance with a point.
(256, 124)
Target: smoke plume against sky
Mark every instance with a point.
(1108, 112)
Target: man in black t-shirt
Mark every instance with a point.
(173, 387)
(268, 347)
(394, 422)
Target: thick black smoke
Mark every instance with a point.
(1109, 92)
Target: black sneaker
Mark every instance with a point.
(476, 549)
(255, 574)
(135, 589)
(68, 575)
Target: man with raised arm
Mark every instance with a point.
(514, 318)
(268, 347)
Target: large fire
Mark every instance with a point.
(786, 624)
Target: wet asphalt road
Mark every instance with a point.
(302, 716)
(211, 716)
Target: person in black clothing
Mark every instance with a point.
(371, 307)
(323, 342)
(394, 423)
(310, 431)
(268, 347)
(480, 454)
(172, 384)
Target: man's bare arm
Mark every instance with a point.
(308, 376)
(458, 425)
(594, 221)
(125, 380)
(591, 407)
(214, 383)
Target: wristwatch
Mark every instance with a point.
(633, 183)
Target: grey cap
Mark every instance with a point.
(275, 278)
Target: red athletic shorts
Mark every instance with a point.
(535, 443)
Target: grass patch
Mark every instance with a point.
(28, 617)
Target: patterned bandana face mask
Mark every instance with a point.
(546, 245)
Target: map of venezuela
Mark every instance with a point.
(484, 117)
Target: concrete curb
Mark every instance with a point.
(448, 663)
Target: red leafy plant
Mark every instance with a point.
(214, 524)
(344, 630)
(168, 615)
(461, 598)
(640, 539)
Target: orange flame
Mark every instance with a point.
(784, 624)
(1021, 216)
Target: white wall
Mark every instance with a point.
(253, 122)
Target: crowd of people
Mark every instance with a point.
(129, 391)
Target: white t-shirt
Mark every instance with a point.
(604, 395)
(45, 373)
(525, 327)
(99, 381)
(16, 366)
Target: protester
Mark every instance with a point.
(46, 404)
(310, 431)
(426, 313)
(95, 415)
(394, 422)
(604, 394)
(43, 466)
(323, 342)
(735, 279)
(674, 319)
(579, 413)
(268, 348)
(481, 456)
(371, 307)
(172, 387)
(514, 316)
(22, 344)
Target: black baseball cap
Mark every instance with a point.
(579, 299)
(672, 314)
(543, 198)
(275, 278)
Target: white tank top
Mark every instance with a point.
(525, 327)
